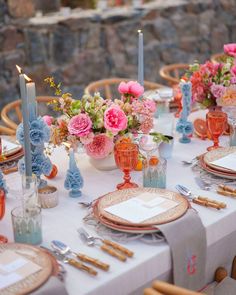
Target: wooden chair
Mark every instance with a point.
(218, 57)
(163, 288)
(13, 110)
(173, 73)
(108, 87)
(7, 131)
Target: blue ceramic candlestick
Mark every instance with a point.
(74, 180)
(183, 125)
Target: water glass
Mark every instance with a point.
(27, 225)
(154, 173)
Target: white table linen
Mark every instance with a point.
(150, 261)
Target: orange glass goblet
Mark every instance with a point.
(3, 239)
(216, 124)
(126, 157)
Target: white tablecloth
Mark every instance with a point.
(149, 261)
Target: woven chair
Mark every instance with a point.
(11, 113)
(7, 131)
(163, 288)
(173, 73)
(218, 57)
(108, 87)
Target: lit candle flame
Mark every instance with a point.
(139, 31)
(27, 78)
(19, 69)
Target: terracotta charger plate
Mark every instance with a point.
(35, 280)
(14, 157)
(217, 154)
(123, 195)
(215, 172)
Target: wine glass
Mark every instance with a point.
(148, 144)
(3, 239)
(216, 123)
(126, 157)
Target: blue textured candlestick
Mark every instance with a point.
(183, 125)
(74, 180)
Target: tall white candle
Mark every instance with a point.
(31, 95)
(25, 114)
(140, 57)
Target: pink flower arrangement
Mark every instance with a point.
(97, 123)
(210, 81)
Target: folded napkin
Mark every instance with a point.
(226, 287)
(186, 237)
(52, 287)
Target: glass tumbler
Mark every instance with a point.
(154, 172)
(30, 191)
(27, 225)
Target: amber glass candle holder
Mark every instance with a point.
(126, 157)
(216, 124)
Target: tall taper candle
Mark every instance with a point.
(140, 57)
(31, 95)
(25, 114)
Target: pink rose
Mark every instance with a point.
(80, 125)
(230, 49)
(100, 147)
(115, 119)
(87, 138)
(132, 88)
(135, 88)
(123, 88)
(48, 120)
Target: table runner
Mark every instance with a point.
(186, 237)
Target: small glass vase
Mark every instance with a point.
(231, 113)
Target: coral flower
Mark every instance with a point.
(230, 49)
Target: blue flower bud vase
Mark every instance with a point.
(74, 180)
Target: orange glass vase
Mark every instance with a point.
(126, 157)
(216, 124)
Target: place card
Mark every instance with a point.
(142, 207)
(14, 268)
(228, 162)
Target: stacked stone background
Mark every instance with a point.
(92, 45)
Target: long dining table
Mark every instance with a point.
(150, 261)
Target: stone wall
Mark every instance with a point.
(90, 45)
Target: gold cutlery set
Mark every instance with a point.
(63, 253)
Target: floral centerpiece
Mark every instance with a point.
(97, 123)
(213, 81)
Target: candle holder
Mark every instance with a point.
(48, 196)
(183, 125)
(39, 134)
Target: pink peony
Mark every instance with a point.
(115, 119)
(48, 120)
(217, 90)
(100, 147)
(132, 88)
(123, 88)
(230, 49)
(80, 125)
